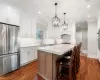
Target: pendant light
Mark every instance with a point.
(55, 20)
(64, 25)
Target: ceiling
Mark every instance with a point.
(76, 9)
(81, 25)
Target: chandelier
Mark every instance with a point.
(64, 25)
(55, 20)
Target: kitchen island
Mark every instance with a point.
(47, 57)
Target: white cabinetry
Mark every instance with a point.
(35, 53)
(28, 54)
(13, 16)
(28, 26)
(9, 14)
(25, 29)
(23, 56)
(3, 13)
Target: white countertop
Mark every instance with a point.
(57, 49)
(29, 42)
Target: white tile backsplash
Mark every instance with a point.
(26, 42)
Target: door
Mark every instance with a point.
(11, 62)
(1, 65)
(13, 39)
(3, 39)
(9, 39)
(99, 39)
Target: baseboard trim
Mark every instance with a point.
(28, 62)
(85, 51)
(92, 56)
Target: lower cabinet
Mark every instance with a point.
(28, 54)
(45, 64)
(23, 56)
(35, 52)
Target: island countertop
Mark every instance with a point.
(57, 49)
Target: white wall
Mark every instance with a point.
(92, 39)
(98, 27)
(53, 33)
(73, 33)
(78, 36)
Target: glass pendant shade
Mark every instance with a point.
(55, 20)
(64, 25)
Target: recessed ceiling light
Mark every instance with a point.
(88, 6)
(39, 12)
(78, 25)
(88, 16)
(71, 20)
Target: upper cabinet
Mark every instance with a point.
(25, 29)
(13, 16)
(3, 13)
(9, 14)
(28, 26)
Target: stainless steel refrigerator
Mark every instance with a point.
(98, 39)
(9, 48)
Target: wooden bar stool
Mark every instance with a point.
(66, 67)
(78, 57)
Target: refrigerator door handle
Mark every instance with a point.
(8, 40)
(5, 39)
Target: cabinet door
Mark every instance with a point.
(3, 13)
(13, 16)
(30, 54)
(48, 65)
(23, 56)
(1, 65)
(11, 62)
(41, 62)
(35, 53)
(25, 23)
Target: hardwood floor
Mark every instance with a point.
(27, 72)
(89, 70)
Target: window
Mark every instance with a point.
(40, 34)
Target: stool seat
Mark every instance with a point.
(67, 57)
(66, 66)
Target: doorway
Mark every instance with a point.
(82, 35)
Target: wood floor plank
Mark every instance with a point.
(89, 70)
